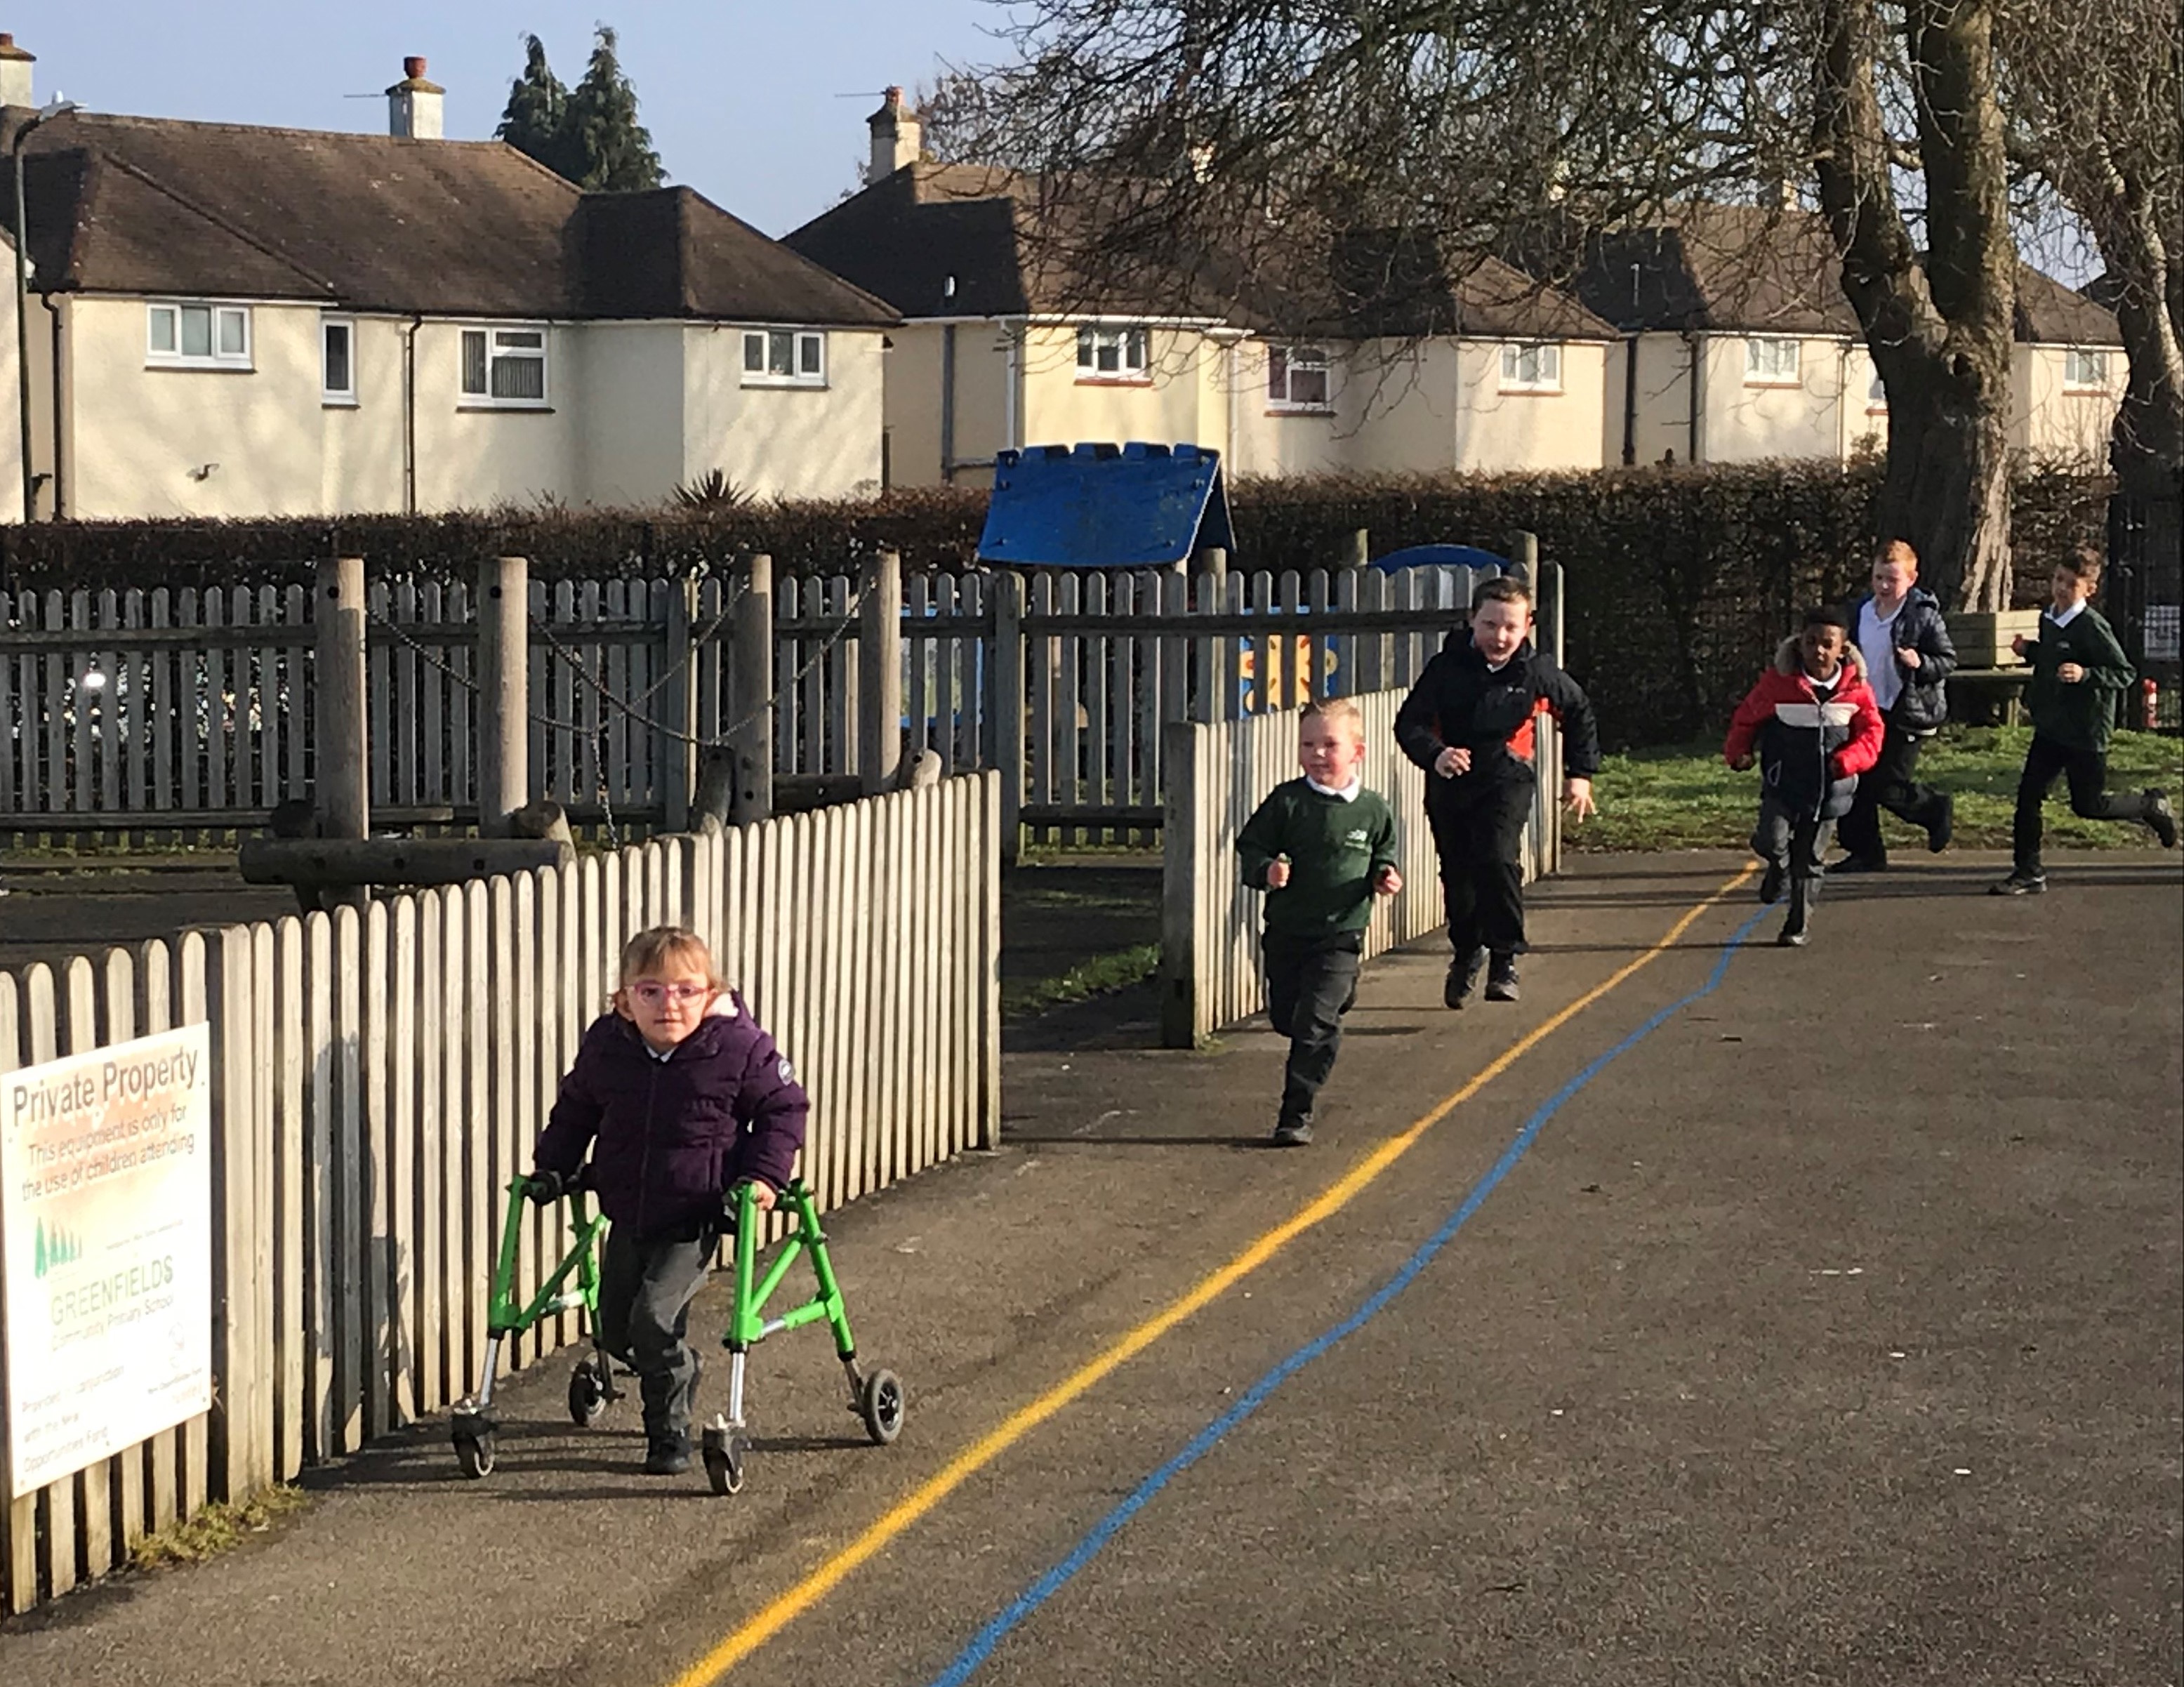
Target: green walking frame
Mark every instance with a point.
(875, 1397)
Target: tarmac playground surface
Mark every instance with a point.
(1718, 1313)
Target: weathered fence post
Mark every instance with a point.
(503, 625)
(750, 689)
(1358, 552)
(1179, 847)
(1210, 698)
(344, 786)
(1009, 707)
(676, 723)
(1525, 556)
(879, 668)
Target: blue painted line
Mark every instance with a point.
(981, 1647)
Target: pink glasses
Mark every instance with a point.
(653, 993)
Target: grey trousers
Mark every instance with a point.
(1797, 842)
(645, 1291)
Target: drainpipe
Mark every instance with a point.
(1691, 443)
(1012, 389)
(409, 413)
(948, 404)
(60, 388)
(1630, 400)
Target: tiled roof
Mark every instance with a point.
(445, 228)
(906, 237)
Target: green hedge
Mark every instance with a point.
(1680, 579)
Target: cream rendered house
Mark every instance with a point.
(1481, 369)
(1737, 344)
(234, 321)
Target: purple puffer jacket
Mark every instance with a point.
(668, 1138)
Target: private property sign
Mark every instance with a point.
(105, 1250)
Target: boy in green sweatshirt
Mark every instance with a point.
(1321, 846)
(2078, 668)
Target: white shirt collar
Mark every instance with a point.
(1348, 793)
(2067, 617)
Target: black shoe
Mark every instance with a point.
(2019, 884)
(1462, 978)
(667, 1453)
(1859, 863)
(1792, 937)
(2160, 818)
(1770, 884)
(1944, 825)
(1502, 979)
(1292, 1134)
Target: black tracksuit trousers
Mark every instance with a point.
(1480, 843)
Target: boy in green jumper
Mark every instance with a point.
(1321, 846)
(2077, 670)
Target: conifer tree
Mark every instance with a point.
(536, 118)
(609, 151)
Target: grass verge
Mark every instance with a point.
(1686, 797)
(218, 1527)
(1098, 976)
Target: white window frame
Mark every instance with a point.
(1762, 356)
(174, 313)
(1284, 364)
(2085, 368)
(807, 357)
(329, 394)
(1544, 373)
(496, 353)
(1132, 343)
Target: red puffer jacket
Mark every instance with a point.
(1812, 748)
(668, 1138)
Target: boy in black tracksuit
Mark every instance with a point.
(1469, 723)
(2077, 670)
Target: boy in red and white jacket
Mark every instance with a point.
(1815, 727)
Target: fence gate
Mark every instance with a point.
(2145, 593)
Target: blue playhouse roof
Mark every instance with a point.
(1441, 556)
(1104, 506)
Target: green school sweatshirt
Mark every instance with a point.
(1336, 849)
(2082, 715)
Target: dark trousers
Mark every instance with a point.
(1482, 880)
(645, 1290)
(1310, 985)
(1889, 784)
(1797, 842)
(2087, 772)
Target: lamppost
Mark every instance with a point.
(59, 107)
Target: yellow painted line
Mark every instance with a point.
(789, 1605)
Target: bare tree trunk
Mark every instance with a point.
(1939, 329)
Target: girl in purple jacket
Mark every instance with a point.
(679, 1095)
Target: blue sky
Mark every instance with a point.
(740, 98)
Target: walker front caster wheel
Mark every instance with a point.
(880, 1403)
(726, 1453)
(588, 1395)
(474, 1453)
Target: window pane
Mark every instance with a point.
(1308, 386)
(519, 377)
(1135, 347)
(474, 360)
(1510, 365)
(754, 354)
(1551, 365)
(1107, 355)
(811, 354)
(163, 328)
(1086, 348)
(519, 339)
(780, 353)
(1278, 374)
(233, 332)
(337, 347)
(196, 331)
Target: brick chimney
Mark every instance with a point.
(895, 136)
(15, 74)
(413, 105)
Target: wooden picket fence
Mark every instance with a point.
(378, 1080)
(191, 711)
(1210, 974)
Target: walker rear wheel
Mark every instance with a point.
(588, 1394)
(880, 1405)
(475, 1454)
(726, 1452)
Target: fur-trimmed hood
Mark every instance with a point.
(1788, 663)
